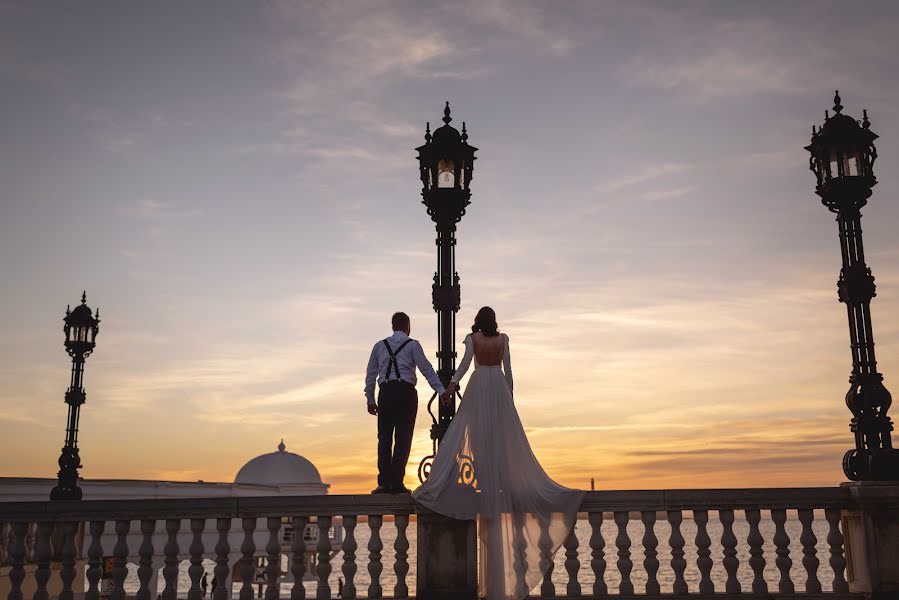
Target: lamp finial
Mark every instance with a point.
(446, 114)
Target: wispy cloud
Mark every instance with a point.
(728, 58)
(525, 21)
(667, 194)
(647, 174)
(149, 209)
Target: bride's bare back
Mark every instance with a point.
(488, 350)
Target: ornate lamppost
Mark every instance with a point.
(842, 159)
(446, 164)
(81, 329)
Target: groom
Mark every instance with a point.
(393, 363)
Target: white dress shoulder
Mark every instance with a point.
(485, 470)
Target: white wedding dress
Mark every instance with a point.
(485, 470)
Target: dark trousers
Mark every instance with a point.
(397, 409)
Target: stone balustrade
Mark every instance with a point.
(741, 543)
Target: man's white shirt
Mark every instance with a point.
(407, 359)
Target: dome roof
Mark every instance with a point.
(279, 468)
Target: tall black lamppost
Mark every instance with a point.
(842, 159)
(81, 329)
(446, 163)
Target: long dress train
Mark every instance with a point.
(485, 470)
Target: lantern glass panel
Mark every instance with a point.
(446, 174)
(852, 163)
(834, 163)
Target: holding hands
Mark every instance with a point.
(446, 398)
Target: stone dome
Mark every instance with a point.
(279, 468)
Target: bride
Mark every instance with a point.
(485, 470)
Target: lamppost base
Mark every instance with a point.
(65, 493)
(871, 531)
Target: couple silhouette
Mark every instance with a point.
(522, 514)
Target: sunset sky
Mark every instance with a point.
(235, 186)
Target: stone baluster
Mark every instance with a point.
(273, 557)
(650, 554)
(120, 559)
(195, 570)
(572, 564)
(810, 561)
(349, 548)
(4, 543)
(94, 561)
(221, 570)
(375, 545)
(519, 546)
(545, 545)
(69, 556)
(323, 569)
(298, 560)
(401, 566)
(782, 548)
(837, 559)
(29, 542)
(730, 561)
(703, 551)
(248, 561)
(756, 551)
(170, 559)
(597, 555)
(623, 543)
(43, 554)
(145, 564)
(676, 541)
(17, 553)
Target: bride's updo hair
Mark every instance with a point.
(485, 322)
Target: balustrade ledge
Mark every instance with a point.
(716, 499)
(725, 596)
(198, 508)
(365, 504)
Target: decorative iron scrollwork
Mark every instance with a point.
(467, 472)
(446, 297)
(856, 464)
(424, 467)
(856, 284)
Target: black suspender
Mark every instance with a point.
(393, 361)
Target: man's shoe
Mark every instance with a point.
(381, 489)
(400, 489)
